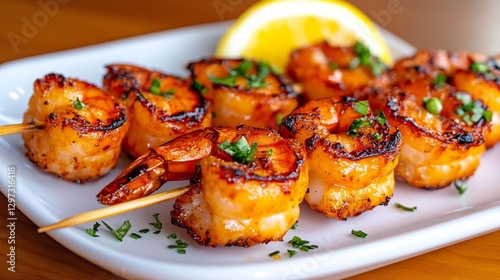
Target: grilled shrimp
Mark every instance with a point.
(243, 91)
(442, 130)
(352, 152)
(326, 71)
(82, 132)
(160, 107)
(246, 183)
(473, 73)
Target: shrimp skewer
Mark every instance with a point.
(243, 91)
(160, 107)
(352, 152)
(235, 198)
(82, 131)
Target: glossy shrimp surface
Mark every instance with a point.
(442, 135)
(352, 152)
(82, 132)
(160, 107)
(473, 73)
(244, 91)
(232, 201)
(327, 71)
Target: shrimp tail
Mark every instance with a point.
(141, 178)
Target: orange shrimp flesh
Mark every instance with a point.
(160, 107)
(82, 132)
(440, 145)
(244, 91)
(352, 152)
(230, 203)
(473, 73)
(326, 71)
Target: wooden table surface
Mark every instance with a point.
(63, 24)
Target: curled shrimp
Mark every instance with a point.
(327, 71)
(232, 201)
(244, 91)
(474, 73)
(442, 130)
(352, 153)
(160, 106)
(82, 132)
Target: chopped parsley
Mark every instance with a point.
(471, 111)
(381, 118)
(155, 88)
(439, 80)
(121, 231)
(365, 58)
(135, 235)
(480, 67)
(433, 105)
(291, 253)
(406, 208)
(240, 150)
(172, 236)
(144, 230)
(302, 244)
(93, 231)
(199, 87)
(377, 136)
(180, 246)
(461, 186)
(253, 80)
(295, 225)
(361, 107)
(359, 233)
(357, 124)
(78, 104)
(279, 118)
(157, 224)
(274, 253)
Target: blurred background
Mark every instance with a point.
(448, 24)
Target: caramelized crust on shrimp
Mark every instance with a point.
(160, 107)
(352, 153)
(232, 202)
(82, 132)
(441, 141)
(327, 71)
(243, 91)
(473, 73)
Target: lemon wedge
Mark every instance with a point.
(270, 30)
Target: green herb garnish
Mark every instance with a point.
(357, 124)
(381, 118)
(279, 118)
(359, 233)
(365, 58)
(433, 105)
(406, 208)
(199, 87)
(144, 230)
(377, 136)
(229, 81)
(93, 231)
(155, 88)
(471, 111)
(78, 104)
(439, 80)
(302, 244)
(274, 253)
(480, 67)
(295, 225)
(361, 107)
(291, 253)
(461, 186)
(333, 66)
(157, 232)
(180, 246)
(156, 224)
(172, 236)
(240, 150)
(135, 235)
(121, 231)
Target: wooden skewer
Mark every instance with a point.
(115, 209)
(18, 128)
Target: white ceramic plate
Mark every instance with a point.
(443, 217)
